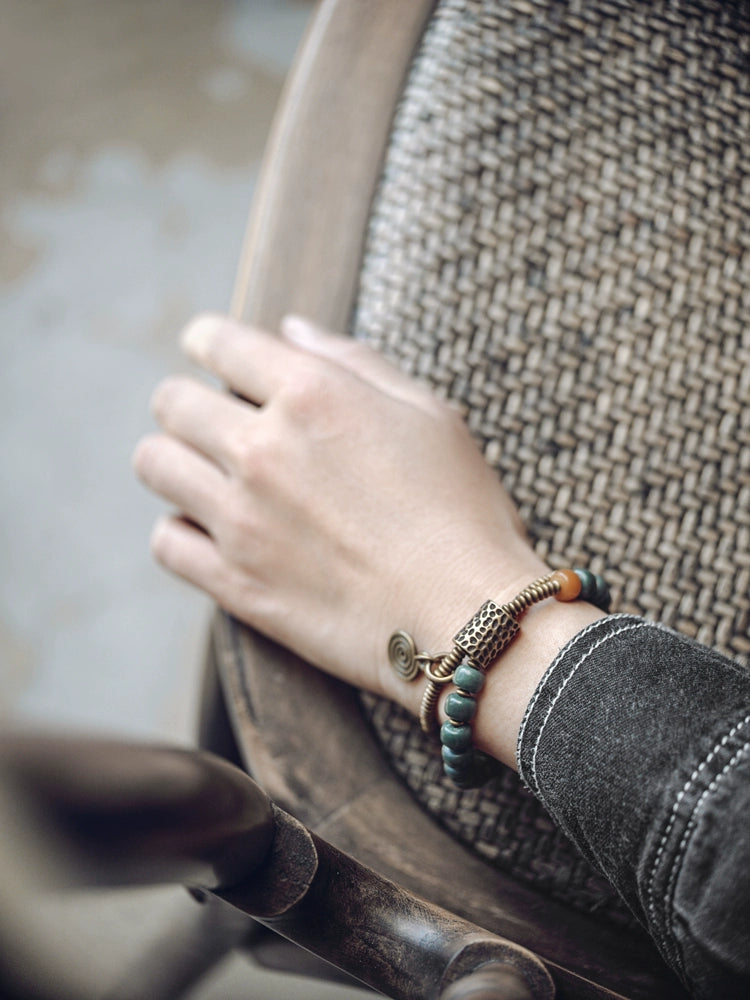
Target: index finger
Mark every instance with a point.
(251, 362)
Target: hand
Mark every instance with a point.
(330, 501)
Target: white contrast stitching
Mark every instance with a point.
(662, 932)
(600, 642)
(543, 682)
(651, 890)
(690, 829)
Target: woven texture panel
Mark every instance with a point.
(560, 244)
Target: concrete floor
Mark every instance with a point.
(131, 133)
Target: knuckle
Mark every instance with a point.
(311, 392)
(255, 455)
(241, 446)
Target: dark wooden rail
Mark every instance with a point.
(120, 814)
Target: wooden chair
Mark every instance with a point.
(539, 208)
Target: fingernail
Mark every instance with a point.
(198, 334)
(298, 329)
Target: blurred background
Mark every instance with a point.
(131, 133)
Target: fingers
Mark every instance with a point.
(253, 363)
(256, 364)
(357, 358)
(211, 422)
(179, 474)
(189, 553)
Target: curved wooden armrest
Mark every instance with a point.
(113, 813)
(120, 813)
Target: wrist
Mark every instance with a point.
(514, 676)
(439, 604)
(496, 577)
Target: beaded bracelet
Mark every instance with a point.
(475, 648)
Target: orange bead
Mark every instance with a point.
(570, 584)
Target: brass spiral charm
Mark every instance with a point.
(402, 654)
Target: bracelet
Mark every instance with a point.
(475, 647)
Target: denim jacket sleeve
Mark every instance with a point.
(637, 741)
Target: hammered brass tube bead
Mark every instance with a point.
(480, 641)
(487, 634)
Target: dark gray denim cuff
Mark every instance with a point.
(637, 741)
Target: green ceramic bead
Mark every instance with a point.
(468, 679)
(454, 773)
(602, 598)
(588, 585)
(460, 707)
(457, 737)
(463, 779)
(462, 760)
